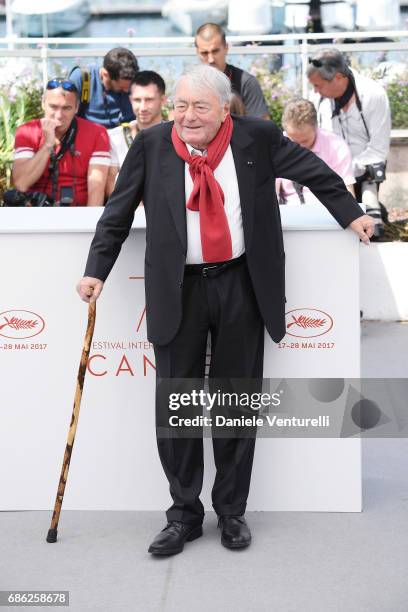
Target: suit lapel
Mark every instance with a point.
(244, 153)
(172, 171)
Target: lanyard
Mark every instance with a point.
(359, 107)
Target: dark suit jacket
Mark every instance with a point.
(152, 172)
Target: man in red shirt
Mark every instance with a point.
(62, 155)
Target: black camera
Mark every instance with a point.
(37, 198)
(375, 173)
(14, 197)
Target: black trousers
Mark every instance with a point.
(226, 307)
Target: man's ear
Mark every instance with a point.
(43, 102)
(225, 111)
(104, 74)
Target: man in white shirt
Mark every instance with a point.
(214, 263)
(356, 108)
(147, 96)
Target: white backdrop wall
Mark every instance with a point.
(115, 464)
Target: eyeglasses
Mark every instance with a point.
(64, 83)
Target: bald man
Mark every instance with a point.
(212, 49)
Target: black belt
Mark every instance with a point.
(213, 269)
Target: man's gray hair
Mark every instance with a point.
(207, 77)
(326, 63)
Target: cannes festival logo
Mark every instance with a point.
(308, 322)
(20, 324)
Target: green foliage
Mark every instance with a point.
(19, 103)
(276, 92)
(397, 91)
(394, 78)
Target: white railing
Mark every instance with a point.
(294, 43)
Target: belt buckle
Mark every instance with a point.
(206, 268)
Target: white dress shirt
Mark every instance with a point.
(226, 176)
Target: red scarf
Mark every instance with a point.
(207, 196)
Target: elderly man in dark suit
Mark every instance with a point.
(214, 263)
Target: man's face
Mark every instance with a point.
(146, 103)
(329, 89)
(198, 115)
(304, 135)
(61, 106)
(212, 52)
(117, 86)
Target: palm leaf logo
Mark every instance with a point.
(17, 323)
(306, 322)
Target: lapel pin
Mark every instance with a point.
(250, 163)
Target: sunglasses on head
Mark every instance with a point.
(325, 62)
(316, 63)
(64, 83)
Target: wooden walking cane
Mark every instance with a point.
(53, 531)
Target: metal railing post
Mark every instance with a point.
(304, 60)
(9, 25)
(44, 62)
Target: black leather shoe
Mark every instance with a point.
(235, 532)
(172, 538)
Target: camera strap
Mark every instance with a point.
(358, 103)
(342, 101)
(67, 144)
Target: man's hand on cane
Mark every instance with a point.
(364, 227)
(89, 289)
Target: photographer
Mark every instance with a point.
(356, 108)
(104, 91)
(61, 158)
